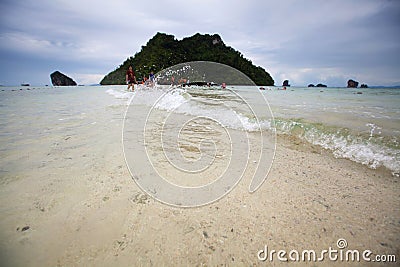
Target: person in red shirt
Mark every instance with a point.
(130, 78)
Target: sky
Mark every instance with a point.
(310, 41)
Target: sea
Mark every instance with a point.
(358, 124)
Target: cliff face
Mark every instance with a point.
(163, 51)
(59, 79)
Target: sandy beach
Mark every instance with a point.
(79, 206)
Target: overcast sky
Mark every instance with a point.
(315, 41)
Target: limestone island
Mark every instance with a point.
(60, 79)
(163, 51)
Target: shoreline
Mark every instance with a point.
(296, 143)
(89, 211)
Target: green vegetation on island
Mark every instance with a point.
(163, 51)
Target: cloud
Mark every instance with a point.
(87, 78)
(25, 43)
(335, 40)
(307, 42)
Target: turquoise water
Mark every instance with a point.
(362, 125)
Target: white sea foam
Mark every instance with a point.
(180, 101)
(119, 93)
(172, 100)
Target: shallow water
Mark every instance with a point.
(364, 128)
(37, 124)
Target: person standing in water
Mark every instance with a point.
(152, 79)
(172, 80)
(130, 78)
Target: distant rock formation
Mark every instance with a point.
(286, 83)
(352, 84)
(318, 85)
(363, 85)
(59, 79)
